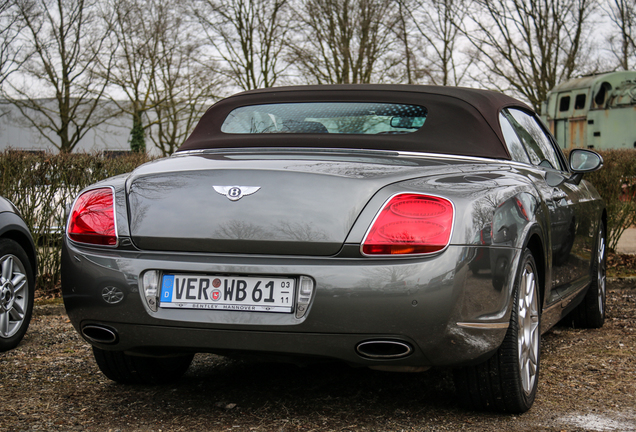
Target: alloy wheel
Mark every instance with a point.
(13, 295)
(528, 335)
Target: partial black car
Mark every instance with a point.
(17, 276)
(394, 227)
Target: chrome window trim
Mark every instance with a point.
(484, 326)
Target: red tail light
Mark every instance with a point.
(410, 224)
(93, 218)
(522, 209)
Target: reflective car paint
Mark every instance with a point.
(438, 292)
(298, 207)
(13, 226)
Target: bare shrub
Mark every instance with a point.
(619, 168)
(43, 186)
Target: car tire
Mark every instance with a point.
(590, 313)
(128, 369)
(508, 380)
(17, 288)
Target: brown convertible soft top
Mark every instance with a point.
(460, 121)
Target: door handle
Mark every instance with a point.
(559, 195)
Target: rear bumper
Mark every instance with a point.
(435, 305)
(160, 341)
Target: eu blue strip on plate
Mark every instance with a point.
(166, 288)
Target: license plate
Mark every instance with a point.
(238, 293)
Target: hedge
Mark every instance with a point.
(43, 186)
(619, 167)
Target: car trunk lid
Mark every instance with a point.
(257, 204)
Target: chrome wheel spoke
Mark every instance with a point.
(17, 312)
(17, 290)
(4, 323)
(7, 269)
(18, 281)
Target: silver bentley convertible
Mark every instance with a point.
(394, 227)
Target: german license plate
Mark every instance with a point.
(237, 293)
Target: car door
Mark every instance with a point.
(570, 267)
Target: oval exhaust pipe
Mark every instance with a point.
(384, 349)
(99, 334)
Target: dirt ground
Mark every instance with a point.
(50, 382)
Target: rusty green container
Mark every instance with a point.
(595, 111)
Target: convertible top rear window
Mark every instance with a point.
(325, 117)
(425, 119)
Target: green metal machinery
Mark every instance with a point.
(595, 111)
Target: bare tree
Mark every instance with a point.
(622, 14)
(137, 27)
(61, 92)
(529, 46)
(9, 30)
(436, 30)
(182, 86)
(345, 41)
(249, 36)
(408, 73)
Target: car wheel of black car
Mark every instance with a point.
(591, 312)
(16, 293)
(129, 369)
(508, 380)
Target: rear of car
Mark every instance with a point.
(314, 263)
(382, 226)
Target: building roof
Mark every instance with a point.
(591, 81)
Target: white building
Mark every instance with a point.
(17, 133)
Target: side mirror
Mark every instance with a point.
(583, 161)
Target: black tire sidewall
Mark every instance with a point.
(596, 317)
(587, 314)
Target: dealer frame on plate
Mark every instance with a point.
(240, 293)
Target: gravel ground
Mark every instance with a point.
(50, 382)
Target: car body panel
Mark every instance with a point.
(279, 218)
(372, 299)
(13, 226)
(7, 206)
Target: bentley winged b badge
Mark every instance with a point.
(235, 193)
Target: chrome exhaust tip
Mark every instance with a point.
(100, 334)
(384, 349)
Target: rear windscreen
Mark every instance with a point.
(325, 117)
